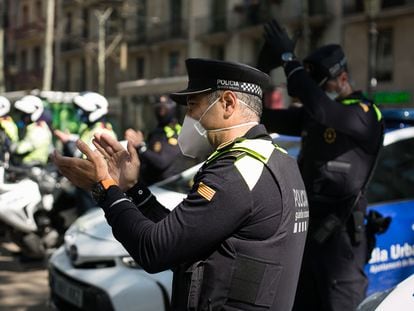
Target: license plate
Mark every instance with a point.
(67, 291)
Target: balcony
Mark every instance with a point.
(159, 32)
(168, 31)
(240, 18)
(357, 6)
(30, 79)
(92, 2)
(30, 30)
(71, 43)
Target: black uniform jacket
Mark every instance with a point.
(222, 217)
(162, 158)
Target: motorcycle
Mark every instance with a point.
(34, 203)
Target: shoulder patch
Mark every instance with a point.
(157, 146)
(205, 191)
(364, 107)
(173, 141)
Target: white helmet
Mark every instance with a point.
(4, 106)
(31, 105)
(94, 103)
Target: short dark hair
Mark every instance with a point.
(254, 103)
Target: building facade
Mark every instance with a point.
(393, 72)
(146, 44)
(24, 44)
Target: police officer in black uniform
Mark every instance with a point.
(159, 154)
(341, 136)
(236, 241)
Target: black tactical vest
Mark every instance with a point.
(250, 274)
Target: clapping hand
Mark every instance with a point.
(83, 173)
(123, 165)
(135, 137)
(109, 160)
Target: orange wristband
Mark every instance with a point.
(106, 183)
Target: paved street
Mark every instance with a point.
(23, 287)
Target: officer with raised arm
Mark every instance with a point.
(341, 136)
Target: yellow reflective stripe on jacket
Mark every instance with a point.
(10, 128)
(260, 149)
(250, 167)
(254, 153)
(378, 112)
(37, 143)
(353, 101)
(170, 132)
(350, 101)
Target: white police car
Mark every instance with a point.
(400, 297)
(391, 193)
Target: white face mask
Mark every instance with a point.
(193, 140)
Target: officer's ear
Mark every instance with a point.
(229, 100)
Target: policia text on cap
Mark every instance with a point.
(236, 241)
(341, 136)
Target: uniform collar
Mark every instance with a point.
(256, 132)
(356, 95)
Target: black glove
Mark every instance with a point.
(277, 42)
(267, 60)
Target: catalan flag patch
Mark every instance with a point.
(205, 191)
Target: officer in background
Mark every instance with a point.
(236, 241)
(35, 146)
(8, 128)
(341, 136)
(92, 109)
(160, 155)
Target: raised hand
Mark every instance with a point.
(123, 165)
(278, 38)
(276, 43)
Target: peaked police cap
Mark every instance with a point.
(325, 63)
(207, 75)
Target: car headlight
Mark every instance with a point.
(372, 302)
(129, 262)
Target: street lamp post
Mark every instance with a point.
(372, 8)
